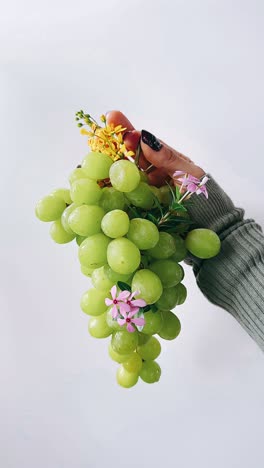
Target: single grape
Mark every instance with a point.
(93, 250)
(124, 175)
(203, 243)
(143, 233)
(50, 208)
(156, 192)
(165, 195)
(65, 217)
(169, 272)
(149, 285)
(93, 302)
(123, 256)
(115, 223)
(150, 372)
(85, 191)
(97, 165)
(171, 326)
(100, 279)
(85, 220)
(117, 357)
(126, 379)
(169, 298)
(153, 322)
(133, 363)
(58, 234)
(151, 350)
(164, 248)
(181, 251)
(76, 174)
(87, 271)
(181, 293)
(142, 338)
(80, 239)
(64, 194)
(124, 342)
(98, 327)
(141, 196)
(111, 199)
(112, 322)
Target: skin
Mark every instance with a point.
(165, 162)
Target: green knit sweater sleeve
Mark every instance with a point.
(234, 279)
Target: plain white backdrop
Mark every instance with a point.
(192, 73)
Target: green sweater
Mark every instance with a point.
(234, 279)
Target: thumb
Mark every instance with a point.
(163, 156)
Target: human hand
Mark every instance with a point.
(165, 160)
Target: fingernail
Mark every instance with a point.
(151, 140)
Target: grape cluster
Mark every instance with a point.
(127, 255)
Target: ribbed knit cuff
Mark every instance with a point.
(218, 213)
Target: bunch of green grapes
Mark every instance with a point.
(116, 247)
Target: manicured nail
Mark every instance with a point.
(151, 140)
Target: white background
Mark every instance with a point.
(192, 73)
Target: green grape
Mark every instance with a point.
(171, 326)
(100, 279)
(80, 239)
(141, 196)
(156, 192)
(181, 293)
(111, 321)
(78, 173)
(203, 243)
(143, 233)
(64, 194)
(143, 177)
(165, 195)
(117, 357)
(142, 338)
(115, 223)
(153, 322)
(133, 363)
(98, 327)
(85, 191)
(169, 298)
(92, 251)
(181, 251)
(126, 379)
(149, 285)
(97, 165)
(58, 234)
(164, 248)
(150, 372)
(115, 277)
(124, 175)
(93, 302)
(85, 220)
(151, 350)
(87, 271)
(50, 208)
(65, 217)
(169, 272)
(124, 342)
(111, 199)
(123, 256)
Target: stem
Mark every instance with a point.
(184, 196)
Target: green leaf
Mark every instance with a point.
(154, 308)
(172, 192)
(178, 194)
(152, 218)
(123, 286)
(177, 206)
(146, 308)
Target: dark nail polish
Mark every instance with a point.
(150, 140)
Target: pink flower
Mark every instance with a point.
(129, 319)
(118, 302)
(135, 303)
(193, 184)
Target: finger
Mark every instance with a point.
(161, 155)
(116, 117)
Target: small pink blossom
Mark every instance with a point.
(135, 303)
(118, 302)
(129, 319)
(193, 184)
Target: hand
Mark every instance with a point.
(165, 159)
